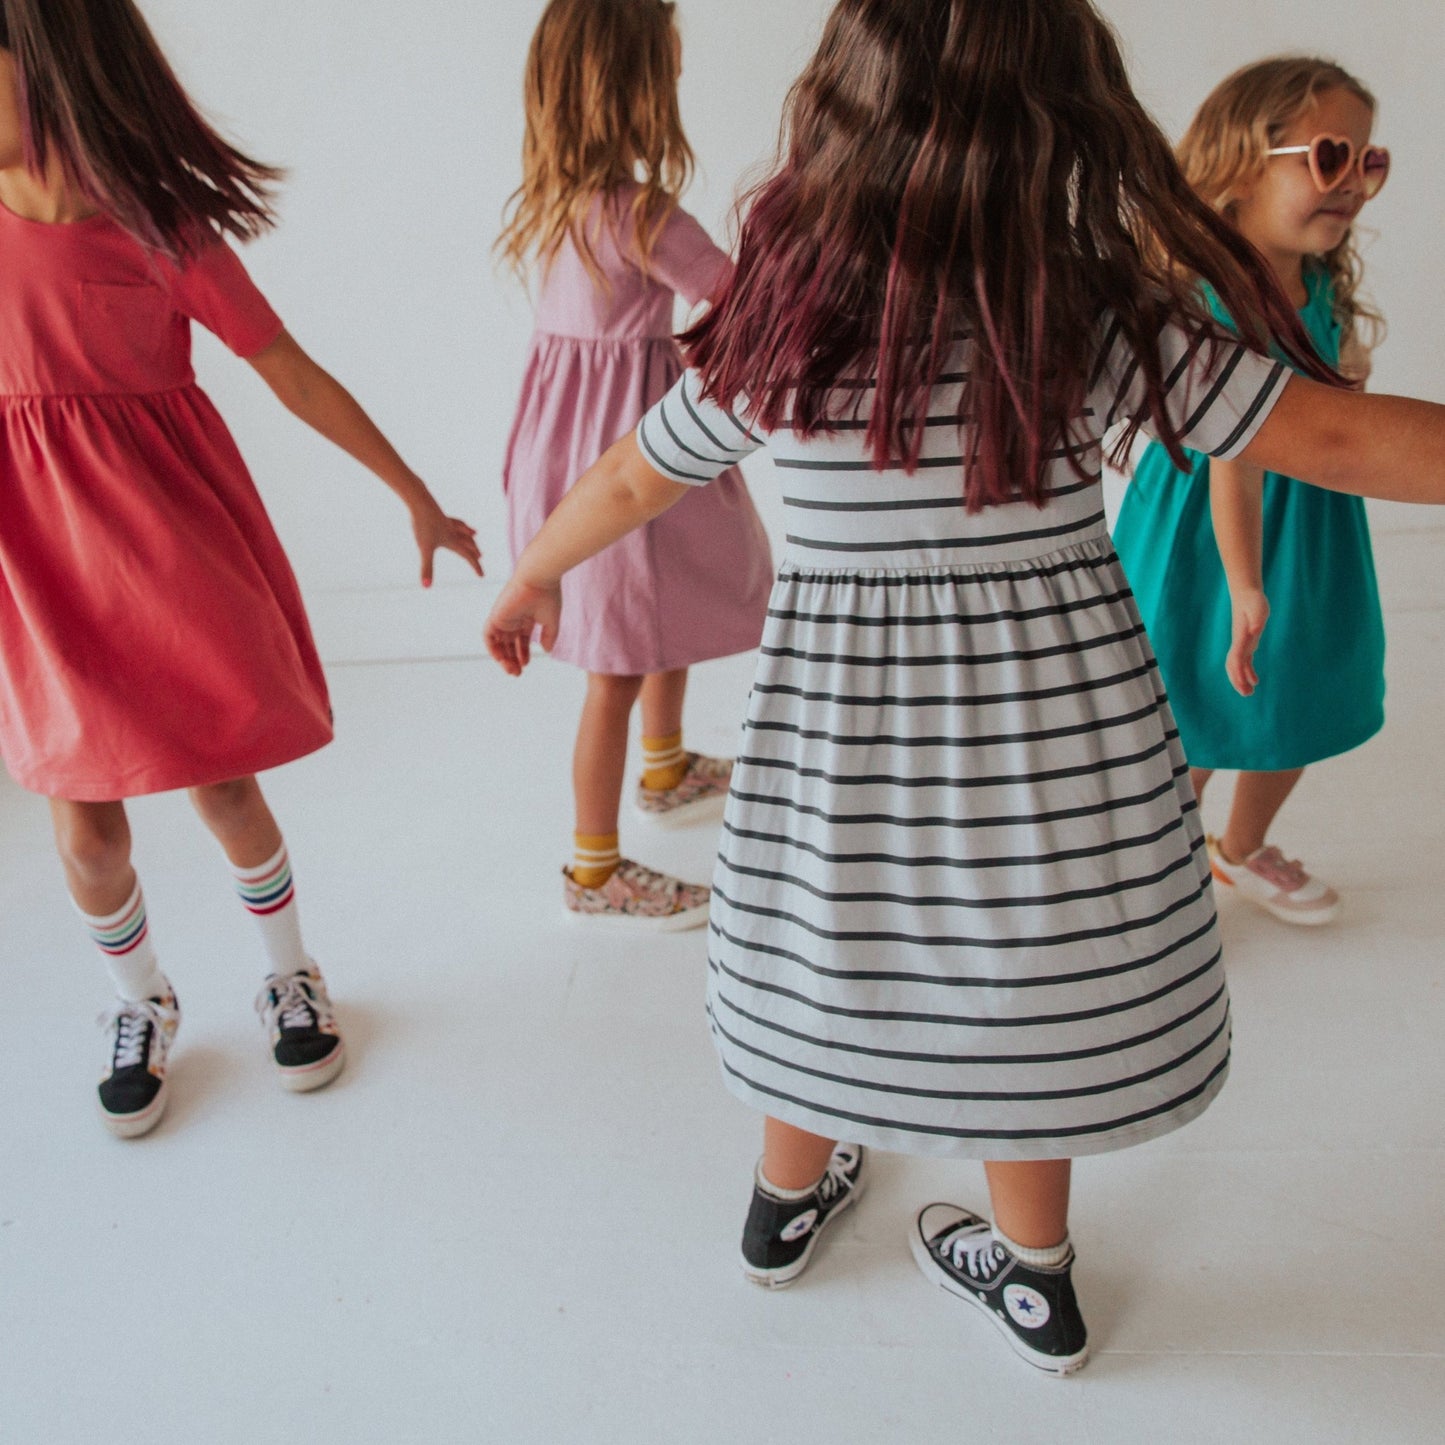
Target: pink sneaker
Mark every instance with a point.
(638, 896)
(1278, 885)
(699, 798)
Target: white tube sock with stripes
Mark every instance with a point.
(124, 937)
(270, 897)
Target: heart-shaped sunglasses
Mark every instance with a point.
(1332, 157)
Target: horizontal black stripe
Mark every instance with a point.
(949, 1061)
(707, 461)
(1091, 727)
(940, 576)
(870, 383)
(911, 620)
(969, 865)
(982, 1096)
(924, 464)
(944, 700)
(1114, 888)
(962, 659)
(1078, 1131)
(665, 467)
(932, 544)
(958, 940)
(1221, 381)
(998, 780)
(985, 982)
(737, 453)
(1056, 815)
(1247, 420)
(920, 504)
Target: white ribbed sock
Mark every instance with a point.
(270, 898)
(1037, 1258)
(124, 937)
(785, 1196)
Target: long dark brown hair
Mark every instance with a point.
(601, 98)
(974, 168)
(97, 93)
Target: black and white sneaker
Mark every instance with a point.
(133, 1090)
(1034, 1309)
(780, 1235)
(306, 1042)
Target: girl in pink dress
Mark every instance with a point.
(612, 252)
(152, 636)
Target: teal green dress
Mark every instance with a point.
(1321, 661)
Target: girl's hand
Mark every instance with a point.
(1251, 613)
(520, 610)
(435, 531)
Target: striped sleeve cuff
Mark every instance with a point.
(690, 440)
(1254, 416)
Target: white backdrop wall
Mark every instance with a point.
(402, 128)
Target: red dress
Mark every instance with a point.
(152, 635)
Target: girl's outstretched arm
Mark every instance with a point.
(616, 496)
(1390, 447)
(1236, 499)
(315, 396)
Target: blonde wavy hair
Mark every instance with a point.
(602, 111)
(1225, 148)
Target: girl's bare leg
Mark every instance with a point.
(793, 1158)
(93, 840)
(242, 822)
(599, 763)
(1031, 1201)
(1258, 797)
(1200, 778)
(663, 694)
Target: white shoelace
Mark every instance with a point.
(294, 1002)
(834, 1182)
(132, 1023)
(973, 1247)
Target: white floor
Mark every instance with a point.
(515, 1218)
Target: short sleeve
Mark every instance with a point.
(686, 261)
(693, 441)
(214, 288)
(1217, 395)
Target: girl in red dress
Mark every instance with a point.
(152, 635)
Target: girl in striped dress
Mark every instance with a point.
(962, 906)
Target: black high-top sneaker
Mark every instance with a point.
(133, 1090)
(780, 1235)
(306, 1043)
(1034, 1309)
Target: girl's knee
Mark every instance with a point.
(619, 692)
(231, 802)
(94, 843)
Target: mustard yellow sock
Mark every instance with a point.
(597, 858)
(664, 763)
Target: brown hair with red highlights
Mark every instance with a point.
(976, 168)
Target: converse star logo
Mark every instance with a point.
(799, 1226)
(1026, 1307)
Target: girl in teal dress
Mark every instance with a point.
(1283, 149)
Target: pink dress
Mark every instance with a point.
(693, 584)
(151, 631)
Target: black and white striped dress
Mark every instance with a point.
(962, 904)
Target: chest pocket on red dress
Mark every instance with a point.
(128, 333)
